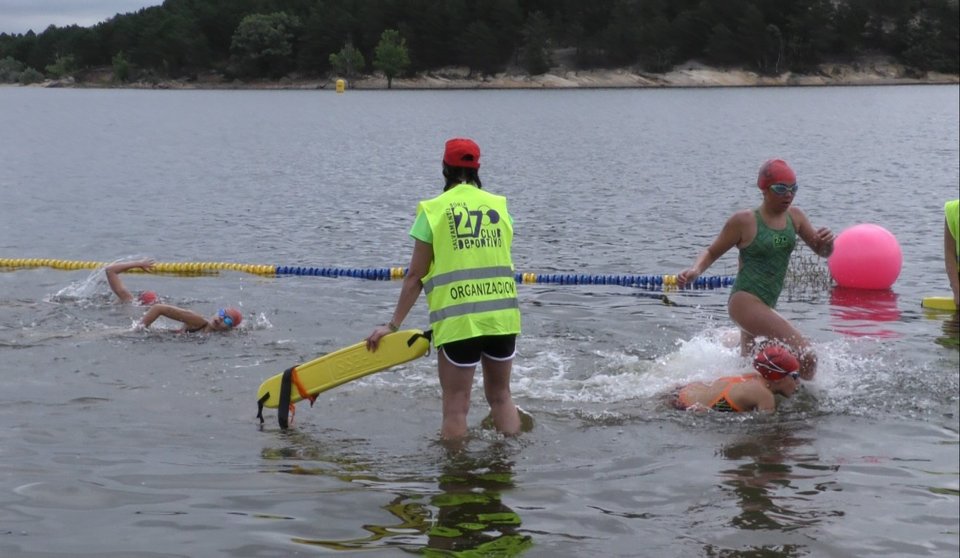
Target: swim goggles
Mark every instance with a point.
(775, 372)
(227, 320)
(782, 189)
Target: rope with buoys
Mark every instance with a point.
(174, 268)
(383, 273)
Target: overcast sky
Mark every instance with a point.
(20, 16)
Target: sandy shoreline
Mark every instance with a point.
(686, 75)
(690, 74)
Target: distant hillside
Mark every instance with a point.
(251, 40)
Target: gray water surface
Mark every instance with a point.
(125, 443)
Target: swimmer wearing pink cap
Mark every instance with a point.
(777, 373)
(225, 319)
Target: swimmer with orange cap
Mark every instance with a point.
(224, 320)
(765, 237)
(777, 373)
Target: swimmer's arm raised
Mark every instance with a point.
(113, 272)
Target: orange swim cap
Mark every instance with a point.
(235, 315)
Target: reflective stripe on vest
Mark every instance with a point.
(473, 308)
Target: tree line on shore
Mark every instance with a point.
(268, 39)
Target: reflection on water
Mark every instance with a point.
(414, 521)
(951, 332)
(471, 516)
(463, 516)
(858, 312)
(768, 486)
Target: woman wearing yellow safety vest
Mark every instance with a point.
(951, 246)
(461, 259)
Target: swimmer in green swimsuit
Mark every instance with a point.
(765, 237)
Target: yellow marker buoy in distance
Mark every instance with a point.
(341, 85)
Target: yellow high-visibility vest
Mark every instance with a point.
(470, 286)
(951, 210)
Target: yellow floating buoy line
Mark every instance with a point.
(383, 273)
(173, 268)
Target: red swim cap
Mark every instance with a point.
(235, 315)
(775, 362)
(775, 171)
(462, 152)
(147, 298)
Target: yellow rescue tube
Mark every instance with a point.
(939, 303)
(347, 364)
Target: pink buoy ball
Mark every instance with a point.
(865, 256)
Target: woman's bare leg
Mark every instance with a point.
(496, 387)
(756, 319)
(456, 382)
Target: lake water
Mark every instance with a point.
(145, 444)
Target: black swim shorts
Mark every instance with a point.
(467, 352)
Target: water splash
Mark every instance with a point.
(259, 322)
(88, 291)
(608, 376)
(93, 290)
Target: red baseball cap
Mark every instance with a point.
(462, 152)
(775, 171)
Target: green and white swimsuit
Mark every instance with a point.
(763, 264)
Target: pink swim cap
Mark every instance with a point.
(147, 298)
(775, 363)
(775, 171)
